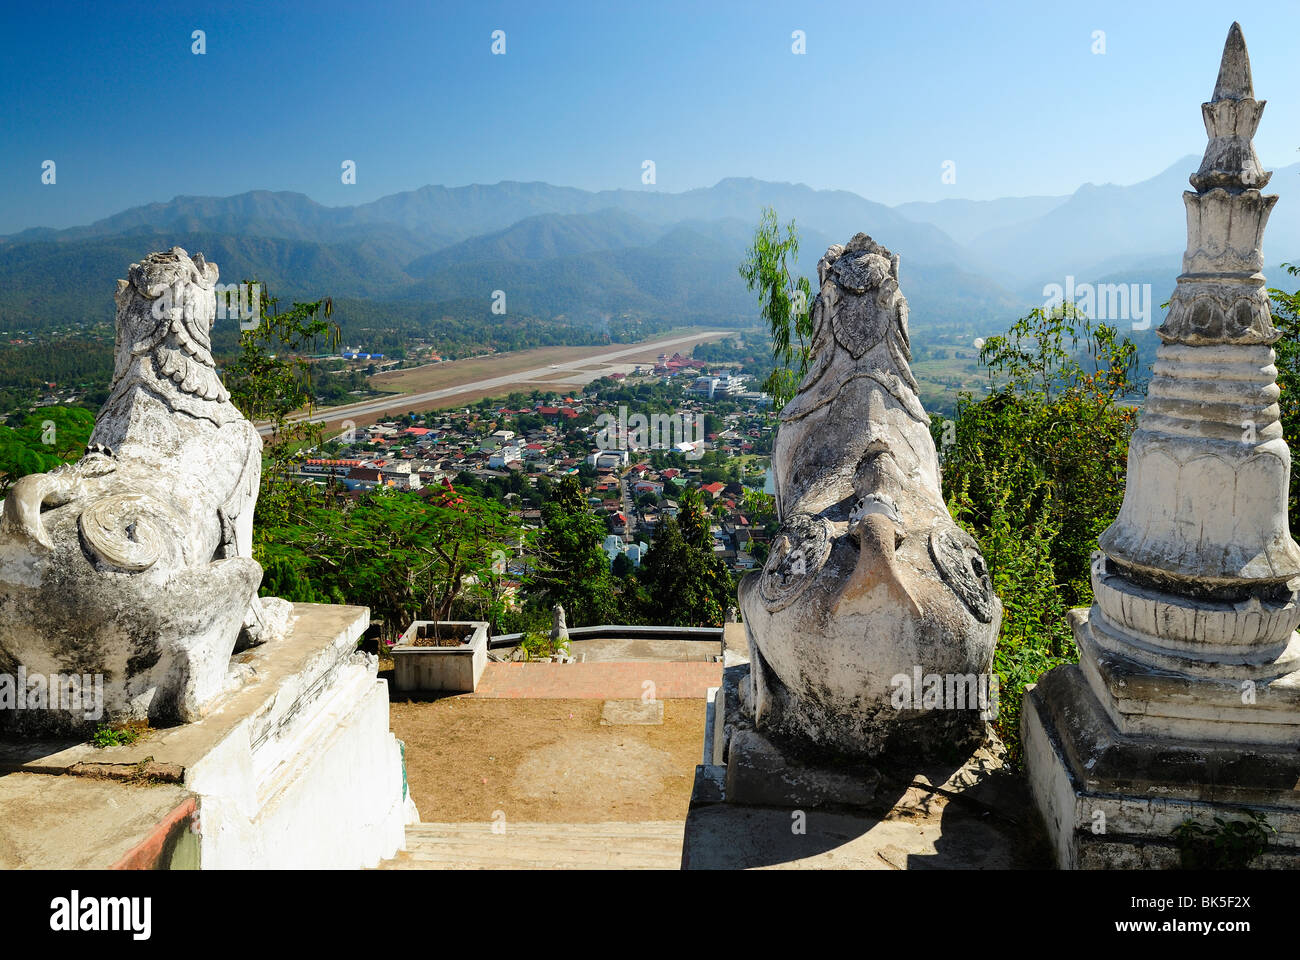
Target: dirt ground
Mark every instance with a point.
(546, 760)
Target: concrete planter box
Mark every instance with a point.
(457, 669)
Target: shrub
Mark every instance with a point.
(1035, 472)
(539, 646)
(1227, 845)
(115, 735)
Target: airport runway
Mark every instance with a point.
(413, 401)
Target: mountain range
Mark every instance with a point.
(560, 252)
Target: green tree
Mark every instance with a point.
(1286, 317)
(685, 584)
(572, 567)
(270, 381)
(693, 518)
(784, 301)
(405, 556)
(760, 508)
(41, 440)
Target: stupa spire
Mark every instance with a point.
(1234, 81)
(1231, 117)
(1212, 411)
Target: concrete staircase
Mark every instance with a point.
(652, 845)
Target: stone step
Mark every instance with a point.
(650, 828)
(490, 864)
(566, 842)
(519, 856)
(654, 845)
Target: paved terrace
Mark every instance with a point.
(546, 767)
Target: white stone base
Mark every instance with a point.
(332, 797)
(1113, 801)
(314, 779)
(293, 767)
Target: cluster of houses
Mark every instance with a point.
(555, 438)
(52, 394)
(409, 456)
(636, 501)
(667, 366)
(713, 386)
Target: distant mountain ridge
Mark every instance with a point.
(966, 220)
(1098, 229)
(442, 216)
(585, 255)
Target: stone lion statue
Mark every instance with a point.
(135, 562)
(869, 578)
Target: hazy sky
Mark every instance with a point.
(1011, 92)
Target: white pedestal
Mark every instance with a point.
(295, 767)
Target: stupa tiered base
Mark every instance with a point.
(1119, 756)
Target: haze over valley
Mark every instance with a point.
(579, 266)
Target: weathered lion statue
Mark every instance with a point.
(135, 562)
(869, 579)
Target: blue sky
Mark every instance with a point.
(1010, 92)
